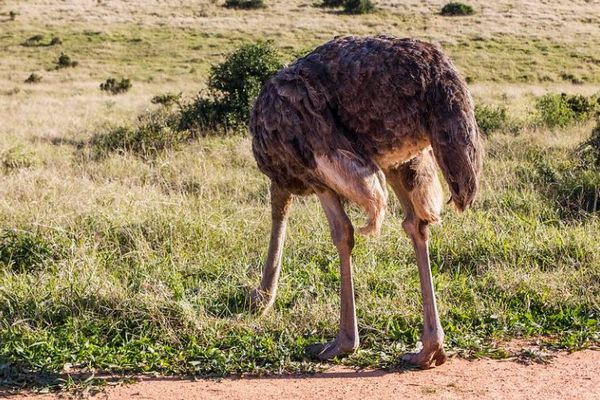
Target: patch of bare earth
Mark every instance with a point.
(566, 376)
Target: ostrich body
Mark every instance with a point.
(341, 122)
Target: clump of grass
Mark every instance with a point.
(65, 61)
(154, 132)
(24, 251)
(17, 158)
(491, 119)
(12, 15)
(454, 9)
(350, 6)
(55, 41)
(245, 4)
(114, 86)
(167, 99)
(33, 78)
(571, 78)
(37, 41)
(561, 109)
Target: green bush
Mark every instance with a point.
(64, 61)
(245, 4)
(490, 119)
(561, 109)
(332, 3)
(153, 133)
(358, 6)
(457, 9)
(24, 251)
(167, 99)
(589, 151)
(115, 87)
(232, 88)
(33, 78)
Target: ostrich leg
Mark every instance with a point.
(263, 297)
(416, 186)
(342, 234)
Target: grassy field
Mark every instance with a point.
(129, 264)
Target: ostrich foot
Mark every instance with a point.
(260, 301)
(425, 358)
(333, 348)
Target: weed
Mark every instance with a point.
(114, 86)
(33, 78)
(167, 99)
(457, 9)
(64, 61)
(17, 158)
(245, 4)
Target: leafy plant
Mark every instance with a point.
(33, 78)
(358, 6)
(244, 4)
(115, 87)
(490, 119)
(457, 9)
(561, 109)
(64, 61)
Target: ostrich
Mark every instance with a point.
(340, 122)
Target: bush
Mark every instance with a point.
(24, 251)
(64, 61)
(245, 4)
(332, 3)
(491, 119)
(167, 99)
(457, 9)
(34, 40)
(12, 15)
(232, 87)
(115, 87)
(559, 110)
(33, 78)
(589, 151)
(55, 41)
(358, 6)
(17, 158)
(153, 133)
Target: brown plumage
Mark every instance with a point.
(353, 114)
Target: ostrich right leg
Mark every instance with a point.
(263, 297)
(417, 187)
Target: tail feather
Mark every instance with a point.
(455, 138)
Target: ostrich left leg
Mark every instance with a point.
(417, 187)
(342, 234)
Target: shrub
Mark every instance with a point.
(332, 3)
(115, 87)
(559, 110)
(64, 61)
(457, 9)
(589, 151)
(17, 158)
(55, 41)
(12, 15)
(24, 251)
(244, 4)
(358, 6)
(167, 99)
(33, 78)
(490, 119)
(154, 132)
(232, 87)
(34, 40)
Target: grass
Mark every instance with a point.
(132, 264)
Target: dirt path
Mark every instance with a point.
(568, 376)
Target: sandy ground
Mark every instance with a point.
(567, 376)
